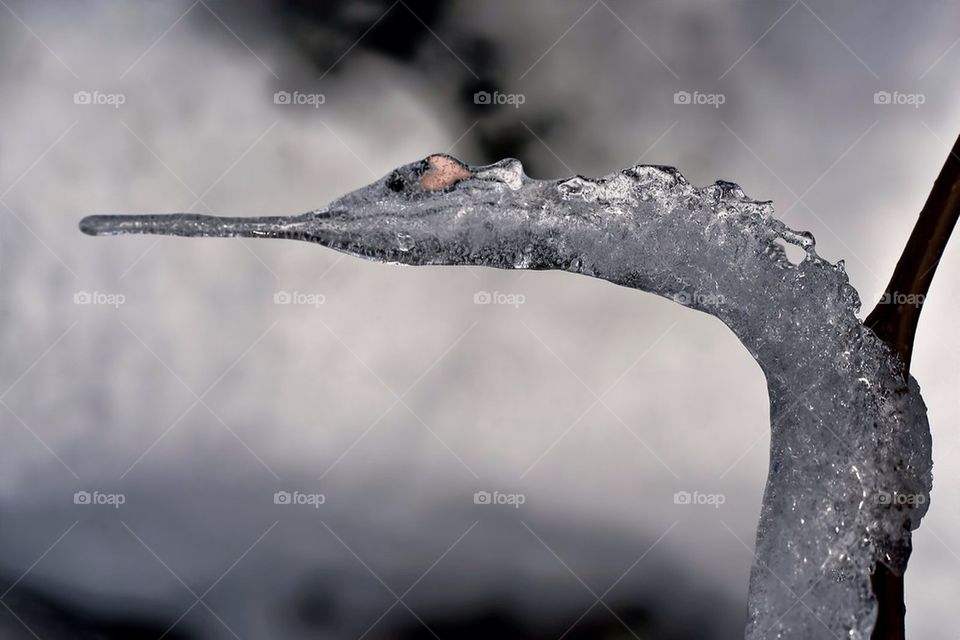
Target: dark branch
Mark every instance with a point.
(894, 323)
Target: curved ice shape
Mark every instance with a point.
(850, 457)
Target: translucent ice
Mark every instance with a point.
(850, 461)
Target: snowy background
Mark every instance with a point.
(186, 390)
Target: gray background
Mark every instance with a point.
(398, 397)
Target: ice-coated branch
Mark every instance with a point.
(895, 319)
(850, 460)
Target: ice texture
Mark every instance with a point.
(850, 461)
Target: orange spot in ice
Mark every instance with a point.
(443, 173)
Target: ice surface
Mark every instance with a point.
(850, 458)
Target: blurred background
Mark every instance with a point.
(239, 439)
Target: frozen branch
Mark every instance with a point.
(850, 459)
(895, 319)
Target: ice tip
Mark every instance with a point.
(93, 225)
(114, 225)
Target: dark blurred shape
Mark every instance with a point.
(494, 622)
(681, 610)
(34, 611)
(505, 138)
(416, 34)
(314, 603)
(326, 30)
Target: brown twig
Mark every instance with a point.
(895, 319)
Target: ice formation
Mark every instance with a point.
(850, 459)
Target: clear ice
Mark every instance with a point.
(850, 460)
